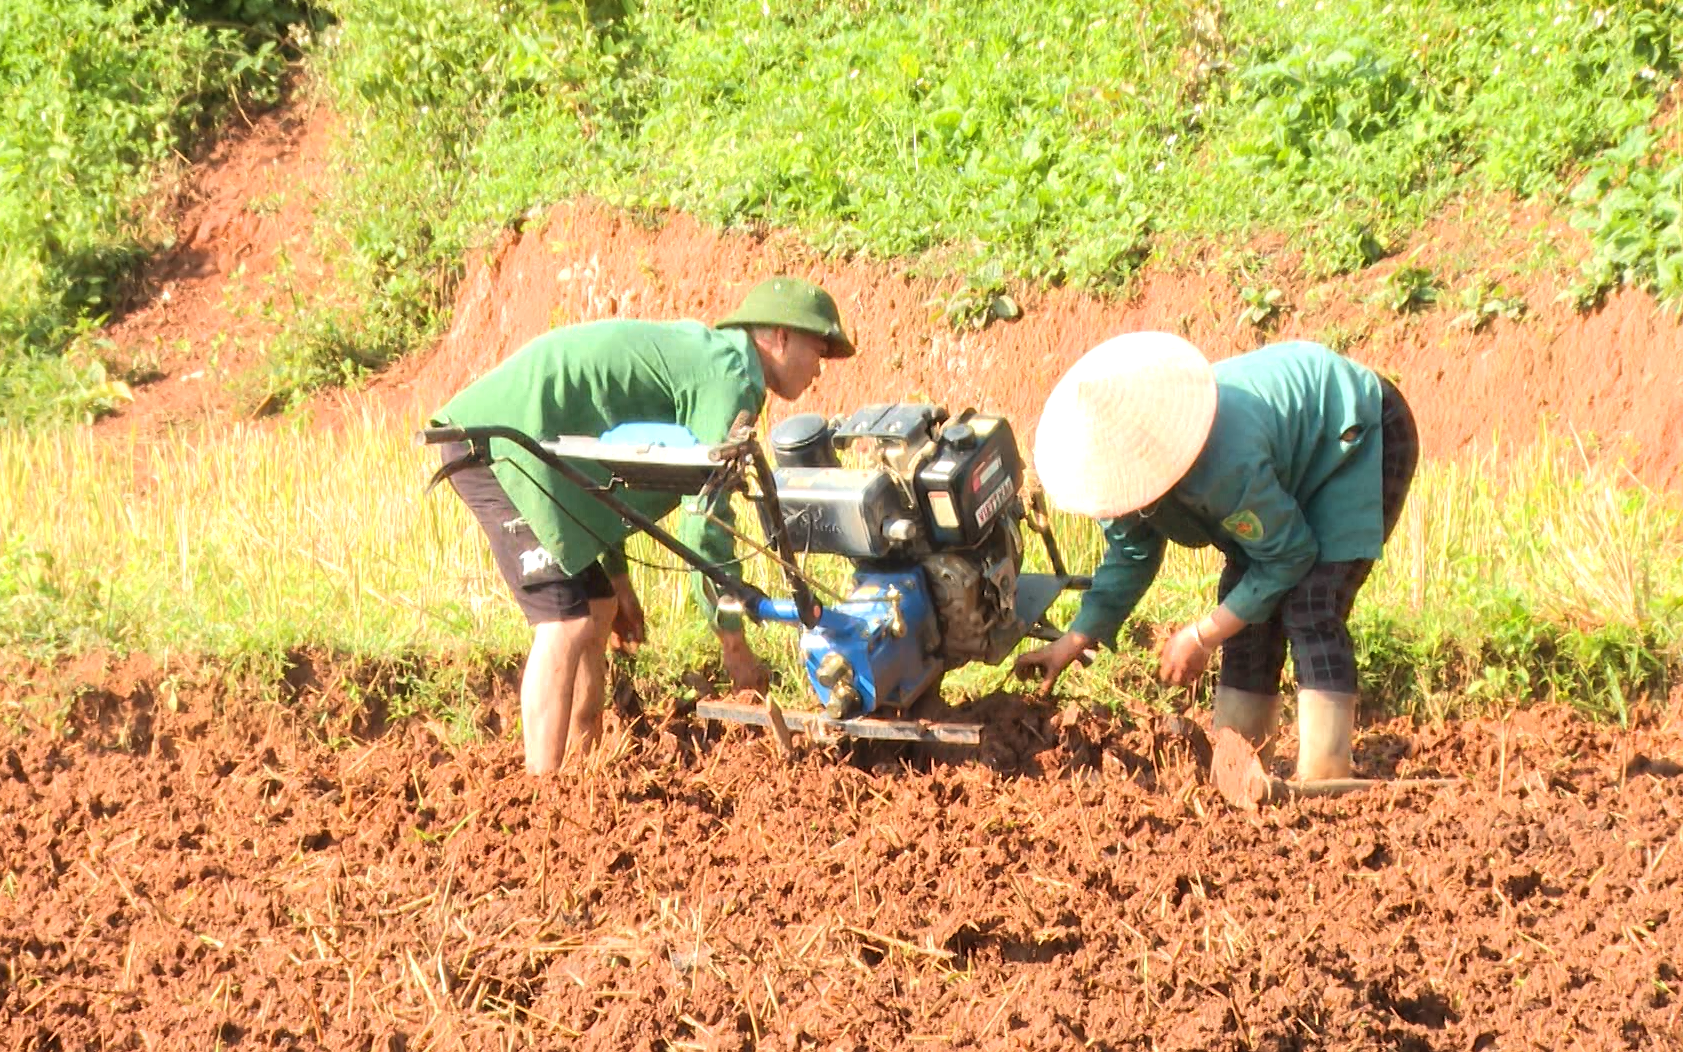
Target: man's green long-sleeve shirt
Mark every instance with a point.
(1289, 476)
(587, 379)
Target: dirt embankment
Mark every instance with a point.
(176, 876)
(246, 258)
(1610, 376)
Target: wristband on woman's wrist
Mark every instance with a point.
(1199, 636)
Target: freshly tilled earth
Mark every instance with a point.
(176, 876)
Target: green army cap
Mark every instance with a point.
(794, 304)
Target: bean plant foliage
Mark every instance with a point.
(1062, 142)
(1631, 203)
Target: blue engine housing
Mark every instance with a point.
(882, 644)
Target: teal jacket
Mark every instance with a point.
(587, 379)
(1289, 476)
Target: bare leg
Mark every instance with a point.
(547, 687)
(590, 682)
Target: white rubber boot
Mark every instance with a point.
(1255, 716)
(1326, 721)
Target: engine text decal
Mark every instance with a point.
(996, 500)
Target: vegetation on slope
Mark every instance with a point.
(1067, 142)
(99, 99)
(1058, 142)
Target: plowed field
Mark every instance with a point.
(172, 876)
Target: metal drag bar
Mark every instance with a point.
(818, 725)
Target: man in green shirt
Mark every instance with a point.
(1292, 460)
(560, 550)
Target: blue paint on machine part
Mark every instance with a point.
(877, 650)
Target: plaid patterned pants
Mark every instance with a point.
(1314, 615)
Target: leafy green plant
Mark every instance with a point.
(1321, 96)
(1631, 204)
(1340, 337)
(74, 387)
(1409, 288)
(1262, 306)
(980, 302)
(1483, 302)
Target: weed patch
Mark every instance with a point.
(1545, 580)
(97, 102)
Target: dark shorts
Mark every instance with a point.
(1314, 615)
(543, 591)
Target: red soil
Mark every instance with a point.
(244, 258)
(179, 874)
(1611, 376)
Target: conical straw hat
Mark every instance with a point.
(1124, 424)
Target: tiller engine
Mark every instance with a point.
(927, 508)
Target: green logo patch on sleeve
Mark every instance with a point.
(1244, 525)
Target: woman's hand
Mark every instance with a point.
(1184, 656)
(1050, 660)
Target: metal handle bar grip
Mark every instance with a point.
(437, 436)
(461, 433)
(738, 441)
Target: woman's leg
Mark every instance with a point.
(1315, 615)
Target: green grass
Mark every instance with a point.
(1540, 579)
(1065, 142)
(98, 103)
